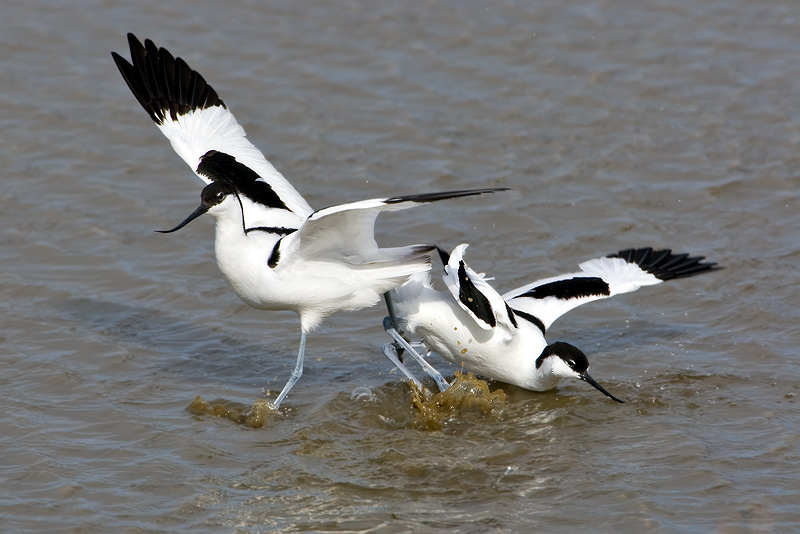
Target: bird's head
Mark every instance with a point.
(215, 198)
(568, 361)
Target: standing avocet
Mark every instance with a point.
(276, 252)
(503, 337)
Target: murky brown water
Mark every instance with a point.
(618, 124)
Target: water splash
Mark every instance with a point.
(254, 416)
(468, 394)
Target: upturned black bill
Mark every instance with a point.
(195, 214)
(586, 378)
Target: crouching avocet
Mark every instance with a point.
(276, 252)
(503, 337)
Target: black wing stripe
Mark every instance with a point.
(573, 288)
(531, 319)
(511, 316)
(473, 299)
(279, 230)
(222, 167)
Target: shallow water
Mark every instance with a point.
(672, 124)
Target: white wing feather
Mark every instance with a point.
(618, 274)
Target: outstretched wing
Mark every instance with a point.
(474, 294)
(196, 121)
(622, 272)
(347, 233)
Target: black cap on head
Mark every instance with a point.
(212, 194)
(575, 360)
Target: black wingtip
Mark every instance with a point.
(443, 255)
(165, 86)
(665, 265)
(444, 195)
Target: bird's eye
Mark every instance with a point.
(571, 363)
(220, 195)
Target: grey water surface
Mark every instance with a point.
(667, 123)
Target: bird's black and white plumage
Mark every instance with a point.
(276, 252)
(502, 337)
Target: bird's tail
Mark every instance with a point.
(394, 266)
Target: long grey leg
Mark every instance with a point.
(441, 383)
(297, 372)
(390, 351)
